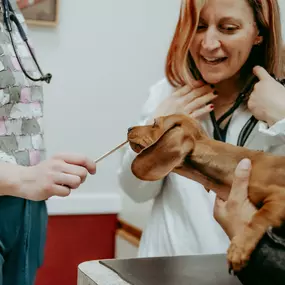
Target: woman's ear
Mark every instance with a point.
(258, 41)
(169, 152)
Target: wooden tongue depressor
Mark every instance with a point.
(110, 152)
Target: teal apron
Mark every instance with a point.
(22, 223)
(22, 239)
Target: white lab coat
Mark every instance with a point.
(181, 222)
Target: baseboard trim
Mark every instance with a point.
(128, 237)
(84, 204)
(129, 232)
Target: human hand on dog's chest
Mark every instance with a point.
(267, 100)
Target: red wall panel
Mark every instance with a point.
(72, 240)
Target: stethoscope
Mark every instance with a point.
(249, 125)
(9, 16)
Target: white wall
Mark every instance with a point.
(104, 55)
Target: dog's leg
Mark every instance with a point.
(242, 245)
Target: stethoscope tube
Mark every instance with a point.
(246, 131)
(9, 16)
(250, 124)
(216, 126)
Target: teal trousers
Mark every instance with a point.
(22, 239)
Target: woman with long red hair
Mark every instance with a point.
(222, 68)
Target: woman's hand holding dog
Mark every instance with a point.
(237, 211)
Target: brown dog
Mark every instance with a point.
(177, 143)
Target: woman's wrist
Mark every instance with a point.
(276, 116)
(271, 120)
(11, 182)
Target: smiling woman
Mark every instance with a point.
(222, 43)
(219, 49)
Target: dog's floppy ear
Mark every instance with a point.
(165, 123)
(158, 160)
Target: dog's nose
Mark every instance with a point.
(129, 129)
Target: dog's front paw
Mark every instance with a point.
(238, 254)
